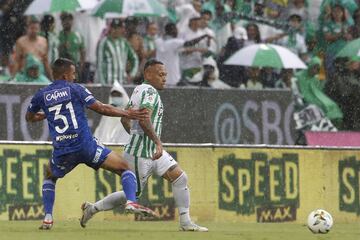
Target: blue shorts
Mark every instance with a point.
(92, 154)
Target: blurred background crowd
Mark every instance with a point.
(194, 40)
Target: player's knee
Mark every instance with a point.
(121, 166)
(181, 181)
(49, 175)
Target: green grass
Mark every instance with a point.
(108, 230)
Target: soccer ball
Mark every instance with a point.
(319, 221)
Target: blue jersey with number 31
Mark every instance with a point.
(64, 106)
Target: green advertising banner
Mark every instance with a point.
(247, 184)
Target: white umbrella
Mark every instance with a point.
(124, 8)
(38, 7)
(266, 55)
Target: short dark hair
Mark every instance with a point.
(206, 12)
(152, 62)
(169, 28)
(46, 22)
(66, 15)
(60, 66)
(296, 17)
(115, 23)
(194, 19)
(149, 24)
(131, 20)
(33, 20)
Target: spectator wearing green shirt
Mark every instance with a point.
(312, 91)
(32, 72)
(116, 59)
(212, 5)
(71, 43)
(336, 32)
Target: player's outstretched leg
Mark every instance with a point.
(128, 180)
(88, 211)
(117, 165)
(48, 197)
(182, 200)
(108, 203)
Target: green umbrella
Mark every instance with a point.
(38, 7)
(266, 55)
(123, 8)
(351, 50)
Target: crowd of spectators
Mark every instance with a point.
(194, 41)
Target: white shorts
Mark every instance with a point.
(145, 167)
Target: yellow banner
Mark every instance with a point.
(227, 184)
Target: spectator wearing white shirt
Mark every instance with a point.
(191, 59)
(273, 13)
(206, 17)
(293, 39)
(253, 33)
(185, 13)
(168, 50)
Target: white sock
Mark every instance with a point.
(110, 201)
(48, 217)
(182, 198)
(184, 214)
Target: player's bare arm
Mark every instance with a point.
(126, 123)
(19, 56)
(35, 117)
(148, 129)
(46, 63)
(196, 40)
(109, 110)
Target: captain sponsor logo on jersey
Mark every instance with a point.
(56, 96)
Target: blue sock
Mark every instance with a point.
(128, 181)
(48, 195)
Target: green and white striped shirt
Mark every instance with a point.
(113, 56)
(149, 43)
(144, 96)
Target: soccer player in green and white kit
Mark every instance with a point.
(145, 153)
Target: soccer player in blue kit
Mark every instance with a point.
(63, 105)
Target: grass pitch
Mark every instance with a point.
(17, 230)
